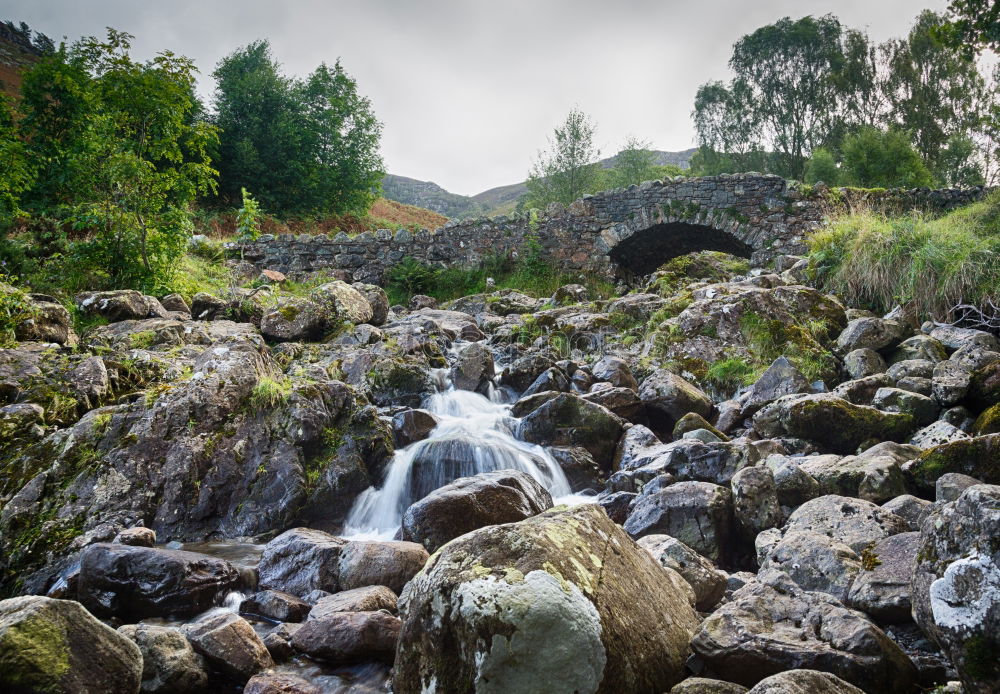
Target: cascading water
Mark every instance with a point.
(474, 435)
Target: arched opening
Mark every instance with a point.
(646, 250)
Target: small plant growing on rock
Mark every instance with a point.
(270, 392)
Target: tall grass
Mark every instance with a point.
(929, 265)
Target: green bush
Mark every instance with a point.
(14, 308)
(931, 264)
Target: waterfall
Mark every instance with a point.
(474, 435)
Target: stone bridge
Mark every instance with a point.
(623, 233)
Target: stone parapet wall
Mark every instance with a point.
(759, 214)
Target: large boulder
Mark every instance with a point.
(814, 561)
(956, 585)
(169, 663)
(665, 392)
(804, 682)
(569, 420)
(699, 514)
(548, 605)
(301, 560)
(772, 625)
(276, 605)
(377, 300)
(882, 589)
(372, 563)
(366, 599)
(473, 368)
(133, 582)
(230, 644)
(855, 522)
(51, 645)
(707, 582)
(47, 321)
(294, 319)
(831, 422)
(117, 305)
(342, 302)
(976, 457)
(468, 503)
(346, 637)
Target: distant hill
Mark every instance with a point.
(499, 200)
(17, 51)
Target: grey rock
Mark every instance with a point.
(699, 514)
(707, 582)
(924, 410)
(814, 561)
(864, 362)
(277, 605)
(230, 644)
(670, 394)
(366, 599)
(169, 663)
(804, 682)
(950, 486)
(301, 560)
(372, 563)
(755, 501)
(855, 522)
(348, 637)
(909, 508)
(473, 368)
(882, 588)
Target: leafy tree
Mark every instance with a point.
(957, 166)
(932, 89)
(304, 146)
(822, 166)
(883, 159)
(634, 163)
(568, 169)
(973, 26)
(16, 172)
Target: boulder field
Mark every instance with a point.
(724, 480)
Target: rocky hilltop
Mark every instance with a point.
(718, 480)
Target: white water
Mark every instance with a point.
(473, 436)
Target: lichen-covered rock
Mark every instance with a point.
(864, 362)
(51, 645)
(473, 368)
(547, 605)
(117, 305)
(950, 486)
(280, 683)
(699, 514)
(874, 475)
(855, 522)
(47, 321)
(780, 379)
(340, 301)
(569, 420)
(301, 560)
(614, 371)
(988, 422)
(976, 457)
(169, 663)
(295, 319)
(133, 582)
(804, 682)
(956, 585)
(666, 392)
(707, 582)
(366, 599)
(873, 333)
(984, 386)
(937, 433)
(831, 422)
(815, 562)
(703, 685)
(923, 409)
(229, 643)
(523, 372)
(755, 501)
(374, 563)
(468, 503)
(772, 625)
(377, 299)
(882, 588)
(793, 485)
(549, 381)
(909, 508)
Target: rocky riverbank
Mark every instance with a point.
(768, 491)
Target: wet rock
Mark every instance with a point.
(708, 583)
(377, 301)
(956, 585)
(523, 372)
(277, 605)
(295, 319)
(831, 422)
(114, 305)
(51, 645)
(346, 637)
(924, 410)
(581, 470)
(278, 641)
(169, 663)
(699, 514)
(772, 625)
(668, 393)
(814, 561)
(855, 522)
(864, 362)
(301, 560)
(490, 608)
(873, 333)
(882, 588)
(617, 505)
(569, 420)
(755, 501)
(132, 582)
(473, 368)
(950, 486)
(138, 537)
(230, 644)
(624, 402)
(702, 685)
(615, 371)
(780, 379)
(372, 563)
(280, 683)
(410, 426)
(975, 457)
(366, 599)
(550, 380)
(468, 503)
(804, 682)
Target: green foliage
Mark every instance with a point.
(14, 308)
(822, 166)
(248, 218)
(883, 159)
(633, 164)
(270, 392)
(568, 169)
(303, 146)
(973, 25)
(929, 264)
(730, 373)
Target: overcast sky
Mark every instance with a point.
(468, 90)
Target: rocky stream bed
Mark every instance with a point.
(721, 480)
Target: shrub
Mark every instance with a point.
(14, 308)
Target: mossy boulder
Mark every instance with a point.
(988, 422)
(560, 603)
(977, 457)
(704, 266)
(569, 420)
(984, 387)
(832, 423)
(342, 302)
(51, 645)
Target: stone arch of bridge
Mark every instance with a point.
(640, 247)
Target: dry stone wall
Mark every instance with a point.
(623, 232)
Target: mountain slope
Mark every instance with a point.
(499, 200)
